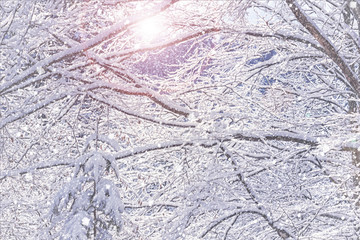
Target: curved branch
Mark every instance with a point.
(147, 118)
(286, 37)
(138, 90)
(284, 234)
(329, 48)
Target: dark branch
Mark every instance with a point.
(326, 44)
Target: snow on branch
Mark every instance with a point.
(282, 233)
(157, 46)
(134, 89)
(30, 109)
(290, 57)
(102, 36)
(46, 164)
(101, 202)
(139, 89)
(247, 136)
(329, 48)
(277, 135)
(105, 139)
(285, 36)
(260, 207)
(136, 114)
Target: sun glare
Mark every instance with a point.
(150, 29)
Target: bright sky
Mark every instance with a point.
(150, 29)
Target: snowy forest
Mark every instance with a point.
(179, 119)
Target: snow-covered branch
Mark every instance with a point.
(325, 42)
(99, 38)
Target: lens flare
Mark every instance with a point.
(149, 29)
